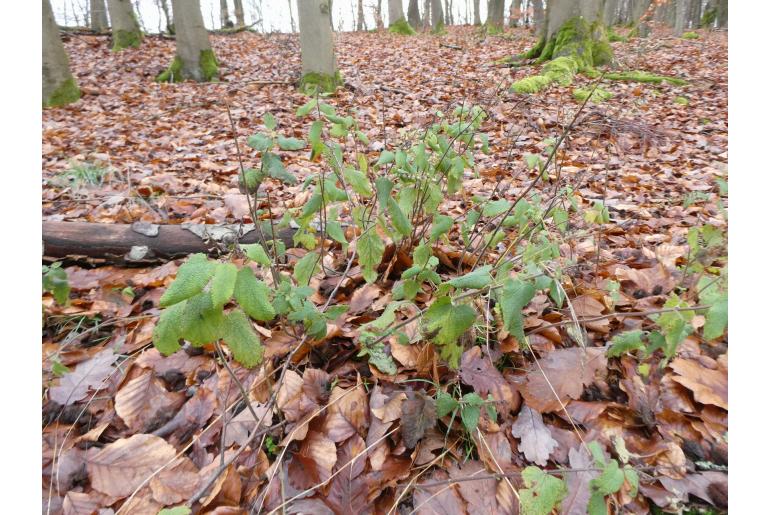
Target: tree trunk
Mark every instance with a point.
(395, 12)
(291, 18)
(436, 15)
(610, 14)
(121, 243)
(639, 10)
(448, 20)
(125, 27)
(413, 13)
(240, 20)
(538, 16)
(426, 14)
(59, 87)
(694, 15)
(477, 12)
(495, 14)
(680, 20)
(316, 38)
(167, 14)
(194, 59)
(514, 14)
(722, 14)
(361, 22)
(99, 16)
(224, 15)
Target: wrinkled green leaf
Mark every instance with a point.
(222, 283)
(240, 337)
(190, 280)
(253, 296)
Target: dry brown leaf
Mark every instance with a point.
(347, 413)
(708, 386)
(536, 441)
(243, 424)
(313, 462)
(144, 400)
(418, 414)
(438, 500)
(176, 483)
(88, 375)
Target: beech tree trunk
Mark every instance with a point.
(59, 86)
(722, 14)
(395, 11)
(125, 27)
(638, 11)
(167, 14)
(413, 13)
(99, 16)
(239, 17)
(559, 11)
(291, 17)
(477, 12)
(194, 59)
(316, 39)
(436, 15)
(496, 14)
(538, 16)
(514, 14)
(361, 21)
(680, 18)
(426, 14)
(224, 15)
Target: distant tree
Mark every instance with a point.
(436, 15)
(426, 14)
(722, 14)
(495, 14)
(477, 12)
(360, 18)
(640, 16)
(514, 13)
(680, 18)
(224, 14)
(413, 13)
(194, 60)
(538, 16)
(316, 39)
(167, 14)
(395, 12)
(125, 27)
(291, 17)
(59, 87)
(448, 18)
(240, 20)
(99, 16)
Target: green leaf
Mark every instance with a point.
(58, 368)
(305, 268)
(306, 108)
(167, 332)
(358, 181)
(222, 284)
(610, 480)
(256, 253)
(179, 510)
(386, 156)
(532, 161)
(334, 229)
(470, 417)
(449, 322)
(253, 296)
(314, 134)
(716, 319)
(675, 325)
(400, 221)
(515, 296)
(597, 505)
(269, 121)
(275, 169)
(441, 225)
(626, 342)
(445, 404)
(633, 479)
(260, 142)
(241, 339)
(371, 248)
(190, 280)
(201, 323)
(55, 280)
(543, 492)
(475, 280)
(379, 358)
(291, 143)
(496, 208)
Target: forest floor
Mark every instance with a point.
(655, 155)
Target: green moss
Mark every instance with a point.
(614, 36)
(209, 65)
(314, 82)
(709, 17)
(125, 38)
(684, 101)
(207, 62)
(561, 70)
(440, 30)
(642, 76)
(599, 94)
(531, 84)
(492, 30)
(66, 93)
(690, 35)
(601, 50)
(173, 73)
(535, 51)
(401, 26)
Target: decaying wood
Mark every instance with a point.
(144, 242)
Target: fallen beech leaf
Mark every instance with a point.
(479, 372)
(79, 503)
(143, 399)
(243, 424)
(313, 462)
(90, 374)
(418, 414)
(708, 386)
(176, 483)
(567, 371)
(479, 494)
(438, 500)
(362, 298)
(578, 483)
(120, 467)
(349, 490)
(346, 414)
(536, 441)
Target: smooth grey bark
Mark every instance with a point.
(477, 12)
(240, 19)
(538, 16)
(167, 14)
(610, 13)
(559, 11)
(694, 14)
(316, 38)
(125, 26)
(436, 14)
(99, 21)
(395, 11)
(496, 13)
(413, 13)
(638, 16)
(59, 86)
(291, 17)
(680, 18)
(722, 14)
(426, 14)
(192, 42)
(448, 18)
(224, 14)
(514, 15)
(361, 19)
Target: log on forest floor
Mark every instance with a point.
(142, 242)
